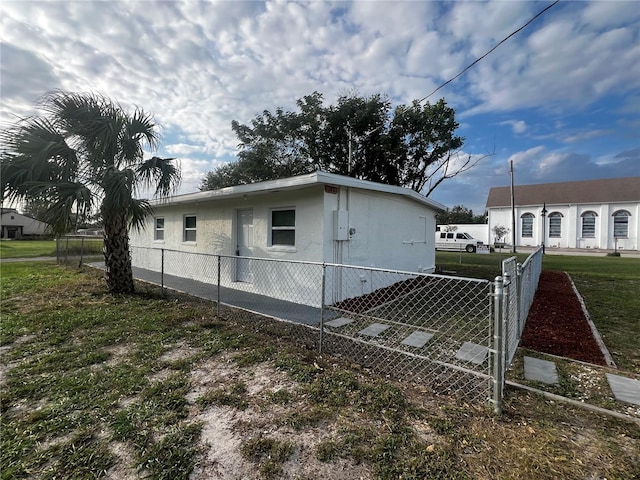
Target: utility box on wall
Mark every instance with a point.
(340, 225)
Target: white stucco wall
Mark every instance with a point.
(391, 232)
(216, 223)
(571, 226)
(216, 235)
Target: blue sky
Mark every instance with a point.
(561, 99)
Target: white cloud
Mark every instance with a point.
(198, 65)
(563, 62)
(517, 126)
(606, 15)
(183, 149)
(527, 157)
(588, 135)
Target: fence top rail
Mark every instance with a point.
(71, 237)
(531, 257)
(337, 265)
(509, 260)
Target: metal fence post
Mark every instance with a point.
(162, 271)
(507, 305)
(218, 302)
(519, 299)
(498, 347)
(324, 276)
(81, 253)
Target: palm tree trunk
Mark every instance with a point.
(117, 258)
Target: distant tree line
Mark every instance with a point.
(459, 214)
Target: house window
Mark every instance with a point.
(555, 225)
(283, 227)
(189, 234)
(159, 229)
(589, 224)
(527, 225)
(621, 224)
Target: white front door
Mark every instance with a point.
(244, 246)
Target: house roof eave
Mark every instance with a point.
(296, 183)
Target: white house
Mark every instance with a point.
(602, 214)
(319, 217)
(16, 225)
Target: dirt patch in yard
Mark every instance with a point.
(225, 429)
(557, 324)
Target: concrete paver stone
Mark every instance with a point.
(472, 352)
(624, 389)
(339, 322)
(374, 329)
(540, 370)
(417, 339)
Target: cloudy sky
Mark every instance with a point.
(561, 99)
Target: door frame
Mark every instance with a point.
(243, 266)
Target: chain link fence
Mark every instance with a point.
(520, 285)
(78, 249)
(430, 329)
(456, 336)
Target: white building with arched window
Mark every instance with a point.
(601, 214)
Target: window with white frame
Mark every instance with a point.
(159, 229)
(555, 225)
(527, 224)
(283, 227)
(589, 224)
(190, 224)
(621, 224)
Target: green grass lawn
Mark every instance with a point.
(47, 248)
(27, 248)
(141, 386)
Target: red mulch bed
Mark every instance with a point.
(556, 323)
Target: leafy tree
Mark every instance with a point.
(362, 137)
(87, 152)
(459, 214)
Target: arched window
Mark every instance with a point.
(527, 224)
(621, 224)
(589, 224)
(555, 225)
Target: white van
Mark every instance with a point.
(457, 241)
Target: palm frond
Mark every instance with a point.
(64, 201)
(84, 148)
(161, 173)
(35, 152)
(139, 210)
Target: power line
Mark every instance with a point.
(492, 49)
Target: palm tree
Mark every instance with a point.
(87, 152)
